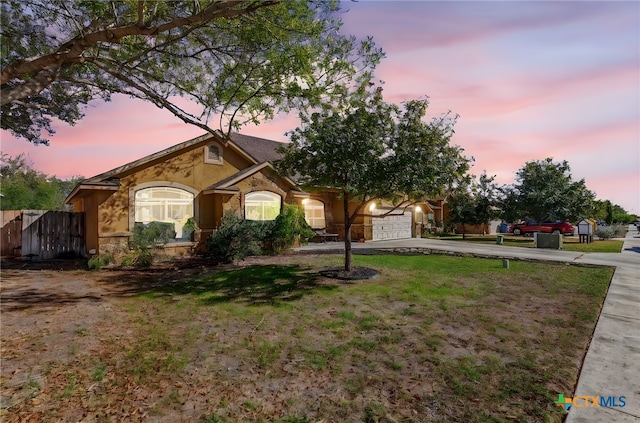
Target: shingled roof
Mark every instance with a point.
(260, 149)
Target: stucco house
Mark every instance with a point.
(207, 177)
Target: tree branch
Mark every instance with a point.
(75, 47)
(153, 97)
(32, 86)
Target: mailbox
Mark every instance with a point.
(585, 228)
(585, 231)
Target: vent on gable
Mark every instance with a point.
(213, 154)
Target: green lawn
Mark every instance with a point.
(568, 243)
(432, 338)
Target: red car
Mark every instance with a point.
(564, 228)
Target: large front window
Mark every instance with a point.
(261, 205)
(314, 213)
(172, 206)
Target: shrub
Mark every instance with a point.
(289, 227)
(98, 261)
(613, 231)
(237, 239)
(145, 238)
(605, 232)
(150, 234)
(619, 231)
(190, 226)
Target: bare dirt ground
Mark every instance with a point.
(48, 309)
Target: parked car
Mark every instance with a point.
(524, 228)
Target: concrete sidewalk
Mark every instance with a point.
(612, 364)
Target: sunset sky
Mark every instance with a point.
(529, 80)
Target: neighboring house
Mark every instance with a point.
(207, 177)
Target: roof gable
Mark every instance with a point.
(255, 150)
(119, 171)
(229, 184)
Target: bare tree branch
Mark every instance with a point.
(31, 86)
(154, 97)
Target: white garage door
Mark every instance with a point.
(391, 227)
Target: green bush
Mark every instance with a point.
(190, 226)
(289, 227)
(605, 232)
(608, 232)
(620, 231)
(150, 234)
(98, 261)
(145, 238)
(237, 239)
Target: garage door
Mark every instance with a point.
(391, 227)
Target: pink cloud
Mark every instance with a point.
(529, 80)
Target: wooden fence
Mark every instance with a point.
(42, 234)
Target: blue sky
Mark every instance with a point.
(529, 80)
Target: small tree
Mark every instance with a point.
(609, 218)
(487, 199)
(462, 208)
(510, 210)
(370, 150)
(474, 202)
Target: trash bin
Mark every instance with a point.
(499, 239)
(504, 228)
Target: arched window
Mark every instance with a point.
(314, 213)
(261, 205)
(168, 205)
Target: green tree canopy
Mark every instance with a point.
(475, 201)
(369, 150)
(545, 190)
(241, 61)
(24, 188)
(604, 210)
(462, 207)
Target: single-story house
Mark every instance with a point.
(208, 176)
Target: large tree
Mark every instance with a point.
(25, 188)
(240, 61)
(545, 191)
(370, 150)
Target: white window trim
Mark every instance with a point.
(271, 193)
(159, 184)
(220, 160)
(315, 205)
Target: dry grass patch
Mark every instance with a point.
(432, 339)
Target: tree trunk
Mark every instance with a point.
(464, 231)
(347, 234)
